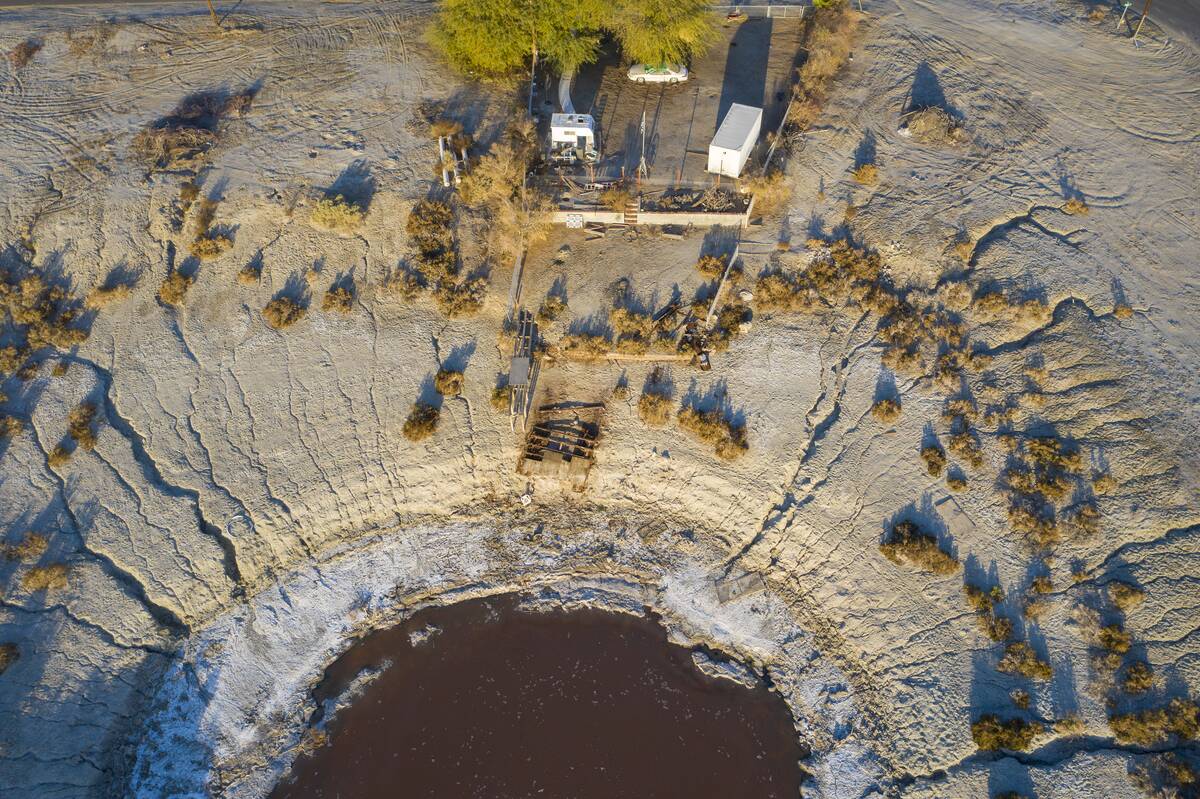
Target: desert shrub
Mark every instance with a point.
(552, 307)
(1048, 452)
(1114, 638)
(1122, 311)
(1180, 717)
(174, 288)
(908, 545)
(283, 312)
(770, 191)
(829, 43)
(1075, 206)
(1034, 522)
(210, 246)
(339, 299)
(711, 266)
(965, 445)
(500, 398)
(956, 480)
(1019, 658)
(886, 410)
(1042, 584)
(336, 213)
(30, 548)
(59, 456)
(654, 408)
(250, 274)
(711, 427)
(10, 426)
(422, 421)
(9, 654)
(991, 733)
(183, 138)
(430, 226)
(405, 285)
(934, 125)
(1069, 726)
(23, 53)
(463, 298)
(1034, 609)
(1125, 596)
(102, 296)
(448, 382)
(1139, 678)
(935, 459)
(583, 347)
(866, 174)
(45, 578)
(79, 422)
(996, 627)
(615, 198)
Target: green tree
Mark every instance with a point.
(493, 38)
(662, 31)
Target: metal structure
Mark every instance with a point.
(522, 371)
(562, 442)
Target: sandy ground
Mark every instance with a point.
(250, 502)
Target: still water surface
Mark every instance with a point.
(508, 703)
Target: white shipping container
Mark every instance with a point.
(735, 139)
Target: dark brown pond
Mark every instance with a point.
(507, 703)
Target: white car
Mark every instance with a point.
(663, 73)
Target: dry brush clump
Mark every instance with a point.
(1125, 596)
(711, 427)
(31, 547)
(39, 315)
(1139, 678)
(551, 308)
(448, 382)
(23, 53)
(991, 733)
(1180, 719)
(586, 347)
(866, 174)
(9, 654)
(935, 459)
(907, 545)
(103, 296)
(711, 266)
(337, 214)
(79, 422)
(1168, 776)
(338, 299)
(283, 312)
(1075, 206)
(771, 191)
(174, 288)
(830, 38)
(183, 138)
(1019, 658)
(654, 408)
(886, 410)
(52, 577)
(933, 125)
(422, 421)
(985, 604)
(616, 198)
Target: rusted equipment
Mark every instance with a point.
(562, 442)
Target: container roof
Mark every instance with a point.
(737, 126)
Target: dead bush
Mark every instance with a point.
(23, 53)
(1075, 206)
(990, 733)
(770, 191)
(250, 274)
(908, 545)
(1180, 718)
(174, 288)
(430, 226)
(337, 214)
(1122, 311)
(552, 307)
(1034, 522)
(965, 445)
(45, 578)
(464, 298)
(59, 456)
(1019, 658)
(583, 347)
(711, 427)
(103, 296)
(1070, 726)
(9, 654)
(934, 125)
(210, 246)
(866, 174)
(615, 198)
(337, 299)
(79, 422)
(935, 459)
(448, 382)
(654, 408)
(31, 548)
(283, 312)
(1125, 596)
(422, 421)
(1139, 678)
(10, 426)
(956, 480)
(501, 397)
(829, 42)
(1114, 638)
(886, 410)
(711, 266)
(1041, 585)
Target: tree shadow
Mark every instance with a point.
(659, 381)
(865, 152)
(885, 386)
(720, 241)
(714, 398)
(927, 92)
(459, 357)
(355, 184)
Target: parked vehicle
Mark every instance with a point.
(663, 73)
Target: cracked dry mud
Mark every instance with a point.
(250, 504)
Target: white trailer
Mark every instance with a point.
(573, 138)
(735, 140)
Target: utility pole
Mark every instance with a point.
(643, 170)
(1124, 11)
(1145, 11)
(213, 13)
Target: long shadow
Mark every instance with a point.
(745, 78)
(927, 92)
